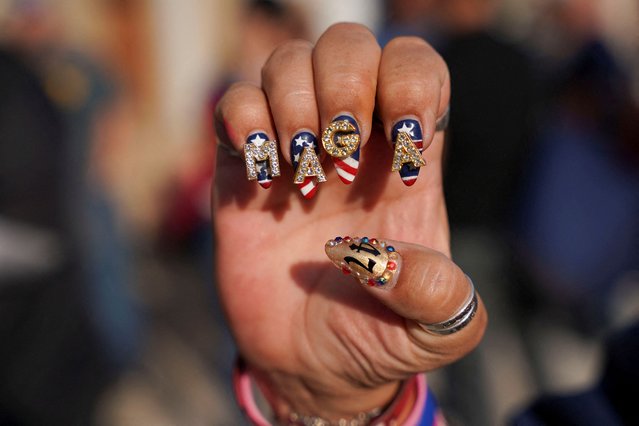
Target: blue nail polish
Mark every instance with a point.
(408, 172)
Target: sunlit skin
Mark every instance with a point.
(317, 341)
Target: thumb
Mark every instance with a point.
(443, 312)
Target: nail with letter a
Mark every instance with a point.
(262, 162)
(373, 262)
(408, 146)
(341, 139)
(305, 159)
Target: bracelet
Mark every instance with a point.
(362, 419)
(424, 411)
(460, 319)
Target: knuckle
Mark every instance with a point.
(239, 89)
(285, 53)
(407, 41)
(298, 99)
(290, 54)
(350, 28)
(414, 92)
(353, 32)
(436, 279)
(292, 47)
(349, 87)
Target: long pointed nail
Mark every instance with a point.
(341, 140)
(262, 161)
(305, 158)
(408, 144)
(373, 262)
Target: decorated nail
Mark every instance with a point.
(341, 140)
(408, 146)
(262, 162)
(374, 263)
(308, 170)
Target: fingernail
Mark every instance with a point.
(305, 159)
(262, 161)
(408, 145)
(341, 139)
(373, 262)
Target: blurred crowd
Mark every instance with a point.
(108, 313)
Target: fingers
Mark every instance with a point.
(419, 284)
(413, 91)
(287, 79)
(345, 63)
(247, 124)
(326, 95)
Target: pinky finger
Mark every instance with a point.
(245, 127)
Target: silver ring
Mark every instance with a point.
(442, 122)
(460, 319)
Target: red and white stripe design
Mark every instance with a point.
(347, 168)
(265, 182)
(410, 179)
(308, 188)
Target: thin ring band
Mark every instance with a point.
(442, 122)
(460, 319)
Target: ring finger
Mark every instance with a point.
(287, 79)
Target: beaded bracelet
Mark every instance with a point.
(423, 413)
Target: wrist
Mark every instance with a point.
(294, 397)
(404, 408)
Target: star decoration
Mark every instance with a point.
(300, 141)
(258, 140)
(407, 129)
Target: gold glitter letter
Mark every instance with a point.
(309, 165)
(406, 152)
(347, 139)
(266, 151)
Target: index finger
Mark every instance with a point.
(413, 92)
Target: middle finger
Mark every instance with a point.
(345, 63)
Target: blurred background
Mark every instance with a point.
(108, 315)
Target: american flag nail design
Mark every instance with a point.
(343, 131)
(409, 171)
(261, 158)
(310, 170)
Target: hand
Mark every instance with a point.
(319, 342)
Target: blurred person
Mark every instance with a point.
(578, 221)
(187, 226)
(579, 216)
(491, 127)
(582, 199)
(491, 119)
(72, 328)
(408, 18)
(265, 25)
(610, 401)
